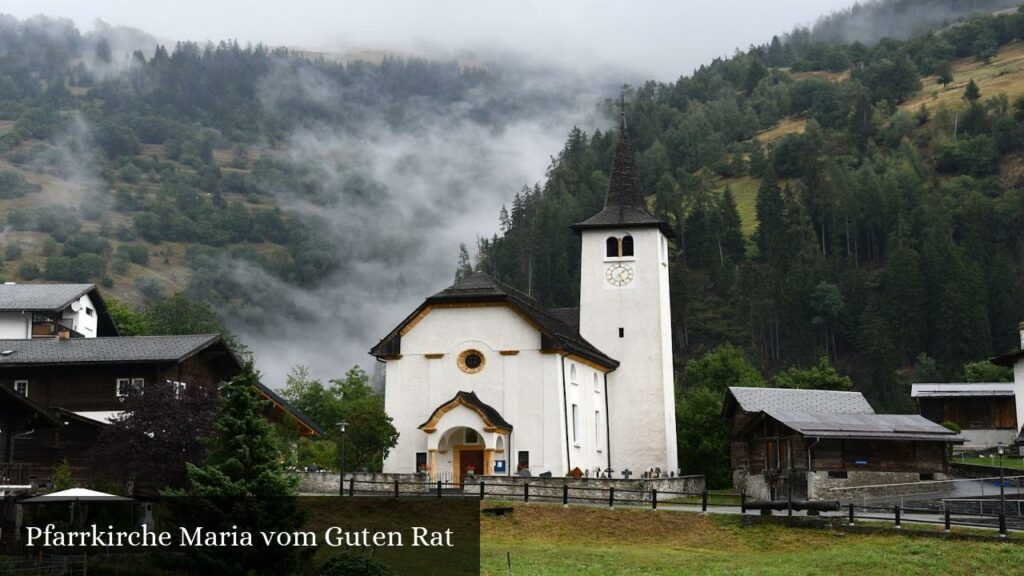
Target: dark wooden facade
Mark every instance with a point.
(972, 413)
(64, 389)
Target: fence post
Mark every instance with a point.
(611, 497)
(654, 498)
(1002, 525)
(526, 492)
(396, 488)
(352, 486)
(482, 490)
(438, 488)
(565, 495)
(897, 510)
(743, 502)
(704, 501)
(851, 515)
(947, 519)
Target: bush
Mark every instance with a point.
(13, 251)
(29, 271)
(352, 563)
(134, 253)
(13, 185)
(950, 425)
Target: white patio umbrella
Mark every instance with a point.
(76, 495)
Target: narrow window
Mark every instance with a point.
(121, 391)
(523, 462)
(611, 247)
(627, 245)
(421, 461)
(622, 332)
(597, 429)
(21, 387)
(572, 375)
(138, 385)
(576, 424)
(597, 383)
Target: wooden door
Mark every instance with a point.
(470, 460)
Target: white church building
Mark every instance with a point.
(481, 378)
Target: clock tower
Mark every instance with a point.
(625, 312)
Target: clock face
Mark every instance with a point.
(619, 274)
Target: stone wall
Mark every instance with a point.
(510, 487)
(872, 485)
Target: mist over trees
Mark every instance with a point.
(887, 239)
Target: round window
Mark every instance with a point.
(471, 361)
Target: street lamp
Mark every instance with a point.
(1002, 496)
(341, 464)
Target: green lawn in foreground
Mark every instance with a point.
(551, 540)
(1014, 462)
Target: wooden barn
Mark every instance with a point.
(986, 412)
(805, 444)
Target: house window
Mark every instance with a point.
(597, 429)
(523, 460)
(179, 388)
(89, 311)
(471, 436)
(597, 383)
(622, 332)
(627, 245)
(21, 387)
(611, 247)
(572, 375)
(128, 386)
(576, 424)
(838, 474)
(421, 461)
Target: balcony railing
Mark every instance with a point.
(14, 475)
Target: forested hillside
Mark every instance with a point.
(291, 193)
(860, 203)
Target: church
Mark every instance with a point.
(482, 379)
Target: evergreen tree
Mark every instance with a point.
(770, 208)
(465, 267)
(972, 93)
(733, 242)
(240, 483)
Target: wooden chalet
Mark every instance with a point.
(803, 444)
(68, 389)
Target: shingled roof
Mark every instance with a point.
(132, 349)
(470, 400)
(864, 426)
(624, 204)
(54, 298)
(818, 401)
(557, 330)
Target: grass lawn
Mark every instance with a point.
(551, 540)
(1009, 462)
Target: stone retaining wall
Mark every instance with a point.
(510, 487)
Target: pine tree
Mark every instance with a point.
(972, 93)
(240, 483)
(465, 267)
(734, 244)
(770, 206)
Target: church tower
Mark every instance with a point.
(624, 312)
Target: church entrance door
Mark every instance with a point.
(469, 460)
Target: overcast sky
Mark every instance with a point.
(663, 38)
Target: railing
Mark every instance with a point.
(653, 498)
(14, 475)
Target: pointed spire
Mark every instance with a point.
(624, 180)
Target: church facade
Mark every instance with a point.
(482, 379)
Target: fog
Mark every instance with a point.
(441, 179)
(661, 39)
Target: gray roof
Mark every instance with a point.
(961, 389)
(863, 426)
(103, 350)
(624, 204)
(557, 328)
(818, 401)
(19, 297)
